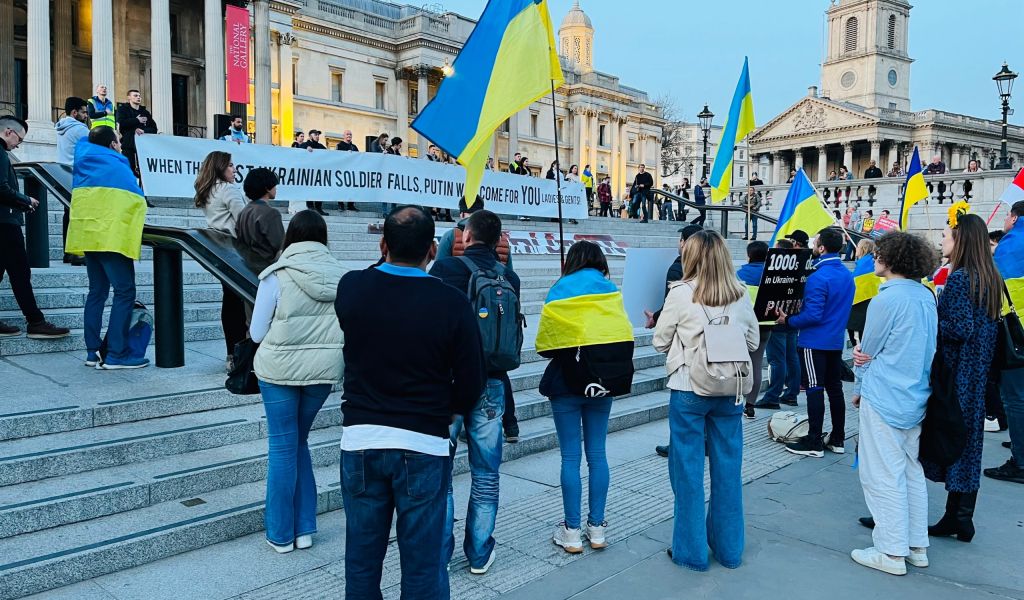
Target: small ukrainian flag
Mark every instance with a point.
(802, 210)
(914, 190)
(866, 283)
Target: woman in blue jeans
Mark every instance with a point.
(583, 306)
(298, 362)
(709, 289)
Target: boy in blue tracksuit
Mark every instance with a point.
(821, 322)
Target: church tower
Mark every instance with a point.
(576, 39)
(866, 59)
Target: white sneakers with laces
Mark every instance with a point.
(569, 539)
(873, 559)
(595, 533)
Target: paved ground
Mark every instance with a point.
(801, 524)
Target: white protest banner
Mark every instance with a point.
(643, 285)
(169, 166)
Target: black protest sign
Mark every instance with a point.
(782, 283)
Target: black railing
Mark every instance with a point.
(195, 131)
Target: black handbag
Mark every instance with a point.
(1010, 346)
(943, 432)
(600, 370)
(242, 379)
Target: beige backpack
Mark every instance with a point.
(721, 362)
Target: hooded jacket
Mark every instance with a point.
(304, 344)
(828, 297)
(69, 131)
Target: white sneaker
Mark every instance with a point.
(568, 539)
(490, 561)
(304, 541)
(872, 558)
(281, 549)
(918, 557)
(991, 425)
(595, 533)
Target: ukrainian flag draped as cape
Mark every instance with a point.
(508, 62)
(802, 210)
(865, 282)
(108, 208)
(583, 309)
(1009, 259)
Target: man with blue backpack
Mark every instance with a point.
(493, 291)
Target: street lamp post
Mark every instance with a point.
(705, 117)
(1004, 81)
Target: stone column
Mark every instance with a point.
(592, 157)
(778, 177)
(848, 155)
(822, 163)
(7, 50)
(894, 155)
(954, 162)
(798, 158)
(62, 49)
(876, 153)
(513, 136)
(39, 95)
(264, 104)
(285, 120)
(160, 32)
(103, 48)
(214, 51)
(613, 155)
(402, 102)
(579, 130)
(422, 97)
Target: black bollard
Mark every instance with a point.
(37, 227)
(169, 316)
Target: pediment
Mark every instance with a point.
(811, 116)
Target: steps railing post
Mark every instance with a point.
(37, 227)
(169, 317)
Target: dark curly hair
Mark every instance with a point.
(907, 255)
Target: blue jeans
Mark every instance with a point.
(106, 270)
(484, 440)
(291, 488)
(1012, 390)
(783, 366)
(375, 484)
(748, 224)
(691, 418)
(569, 413)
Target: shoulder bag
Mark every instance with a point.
(1010, 345)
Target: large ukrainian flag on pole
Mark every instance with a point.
(740, 123)
(802, 210)
(508, 62)
(914, 190)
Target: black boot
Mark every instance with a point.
(947, 525)
(965, 517)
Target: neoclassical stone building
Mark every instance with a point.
(863, 112)
(334, 65)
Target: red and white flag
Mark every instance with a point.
(1015, 191)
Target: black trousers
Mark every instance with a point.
(232, 318)
(14, 262)
(509, 418)
(822, 373)
(317, 206)
(702, 215)
(605, 208)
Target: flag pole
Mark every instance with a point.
(994, 211)
(749, 200)
(558, 180)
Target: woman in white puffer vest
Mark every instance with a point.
(298, 362)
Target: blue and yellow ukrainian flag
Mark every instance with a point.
(583, 309)
(1009, 257)
(108, 208)
(508, 62)
(802, 210)
(914, 189)
(865, 282)
(739, 124)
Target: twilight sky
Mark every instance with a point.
(661, 47)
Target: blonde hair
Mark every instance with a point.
(865, 247)
(707, 264)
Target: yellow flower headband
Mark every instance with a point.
(956, 211)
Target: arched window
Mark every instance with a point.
(851, 35)
(892, 32)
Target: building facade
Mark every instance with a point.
(364, 66)
(863, 112)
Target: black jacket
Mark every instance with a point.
(12, 202)
(347, 147)
(644, 179)
(872, 173)
(128, 122)
(313, 145)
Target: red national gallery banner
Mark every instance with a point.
(236, 63)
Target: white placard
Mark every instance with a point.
(643, 285)
(169, 166)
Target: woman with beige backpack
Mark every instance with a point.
(708, 329)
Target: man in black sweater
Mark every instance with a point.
(642, 185)
(346, 145)
(313, 143)
(405, 377)
(484, 425)
(133, 119)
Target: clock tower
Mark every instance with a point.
(866, 60)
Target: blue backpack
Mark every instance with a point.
(140, 332)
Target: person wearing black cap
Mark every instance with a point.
(313, 143)
(799, 238)
(674, 273)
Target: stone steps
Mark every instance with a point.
(13, 346)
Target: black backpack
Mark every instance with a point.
(499, 313)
